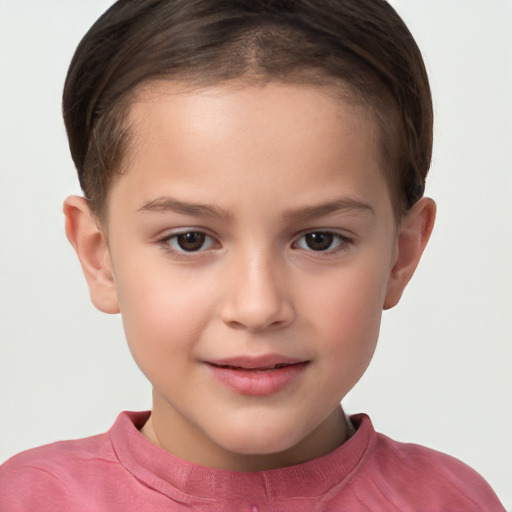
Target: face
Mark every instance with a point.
(251, 241)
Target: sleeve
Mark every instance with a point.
(28, 487)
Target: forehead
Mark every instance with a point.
(300, 138)
(292, 111)
(307, 96)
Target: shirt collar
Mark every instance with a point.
(187, 482)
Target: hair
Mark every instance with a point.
(360, 46)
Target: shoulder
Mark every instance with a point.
(50, 474)
(419, 476)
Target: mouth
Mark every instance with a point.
(260, 376)
(261, 363)
(256, 369)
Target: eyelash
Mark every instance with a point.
(343, 242)
(179, 251)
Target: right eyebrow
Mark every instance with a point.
(168, 204)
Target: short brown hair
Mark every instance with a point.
(362, 44)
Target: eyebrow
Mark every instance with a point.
(168, 204)
(341, 205)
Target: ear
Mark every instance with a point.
(90, 244)
(414, 232)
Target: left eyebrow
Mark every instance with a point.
(341, 205)
(168, 204)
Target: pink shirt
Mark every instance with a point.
(122, 471)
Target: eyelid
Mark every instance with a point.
(163, 241)
(345, 241)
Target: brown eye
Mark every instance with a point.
(188, 242)
(191, 241)
(321, 241)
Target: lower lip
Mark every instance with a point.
(257, 383)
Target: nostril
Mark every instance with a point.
(265, 326)
(257, 321)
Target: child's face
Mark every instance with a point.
(288, 260)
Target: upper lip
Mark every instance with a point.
(256, 362)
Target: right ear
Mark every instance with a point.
(90, 244)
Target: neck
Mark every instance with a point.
(191, 446)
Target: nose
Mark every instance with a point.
(258, 297)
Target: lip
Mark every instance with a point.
(257, 376)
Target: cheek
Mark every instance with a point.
(347, 315)
(163, 315)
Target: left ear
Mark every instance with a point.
(414, 232)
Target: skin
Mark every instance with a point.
(272, 163)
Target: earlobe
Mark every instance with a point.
(413, 236)
(91, 247)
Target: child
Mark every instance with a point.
(254, 177)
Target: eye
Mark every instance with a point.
(190, 241)
(321, 241)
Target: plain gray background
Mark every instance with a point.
(441, 374)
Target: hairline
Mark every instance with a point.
(335, 87)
